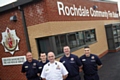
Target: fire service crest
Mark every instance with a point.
(10, 41)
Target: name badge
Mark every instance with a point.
(92, 60)
(83, 59)
(40, 67)
(26, 66)
(58, 67)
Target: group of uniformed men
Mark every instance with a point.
(68, 68)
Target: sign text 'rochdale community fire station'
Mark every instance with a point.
(83, 11)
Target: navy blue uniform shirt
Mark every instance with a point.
(90, 64)
(72, 64)
(41, 65)
(31, 69)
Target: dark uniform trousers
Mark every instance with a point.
(91, 77)
(77, 77)
(36, 78)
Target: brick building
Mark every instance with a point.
(48, 25)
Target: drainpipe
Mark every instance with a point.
(25, 28)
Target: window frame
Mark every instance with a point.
(54, 44)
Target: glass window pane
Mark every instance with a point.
(80, 38)
(58, 45)
(116, 42)
(43, 45)
(72, 40)
(115, 34)
(118, 31)
(92, 35)
(63, 40)
(119, 41)
(87, 37)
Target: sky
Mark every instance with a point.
(4, 2)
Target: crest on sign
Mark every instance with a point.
(10, 41)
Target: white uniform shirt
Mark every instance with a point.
(54, 71)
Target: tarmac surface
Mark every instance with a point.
(111, 67)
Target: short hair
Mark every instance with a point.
(86, 47)
(66, 46)
(28, 52)
(42, 53)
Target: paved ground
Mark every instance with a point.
(111, 67)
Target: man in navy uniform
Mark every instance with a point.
(42, 62)
(91, 64)
(72, 64)
(31, 67)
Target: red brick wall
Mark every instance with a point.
(33, 16)
(46, 10)
(35, 13)
(12, 72)
(54, 16)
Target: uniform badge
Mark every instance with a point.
(63, 62)
(26, 66)
(46, 69)
(58, 67)
(92, 57)
(34, 64)
(40, 67)
(83, 59)
(72, 59)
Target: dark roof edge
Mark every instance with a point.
(114, 2)
(15, 4)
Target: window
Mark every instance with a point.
(80, 38)
(119, 41)
(118, 30)
(113, 36)
(63, 40)
(116, 42)
(115, 31)
(87, 36)
(75, 40)
(58, 44)
(43, 45)
(72, 40)
(90, 36)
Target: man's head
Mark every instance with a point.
(87, 51)
(29, 56)
(51, 57)
(66, 50)
(43, 56)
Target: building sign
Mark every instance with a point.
(13, 60)
(82, 11)
(10, 41)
